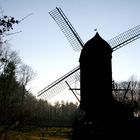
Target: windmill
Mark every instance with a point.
(101, 111)
(76, 42)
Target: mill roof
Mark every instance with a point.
(97, 41)
(95, 46)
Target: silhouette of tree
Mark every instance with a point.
(6, 24)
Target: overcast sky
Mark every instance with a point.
(43, 46)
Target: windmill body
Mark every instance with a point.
(95, 76)
(103, 115)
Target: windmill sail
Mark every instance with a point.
(125, 38)
(60, 84)
(67, 28)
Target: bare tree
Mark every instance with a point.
(26, 74)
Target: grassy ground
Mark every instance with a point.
(39, 134)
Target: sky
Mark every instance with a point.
(43, 46)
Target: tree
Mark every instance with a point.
(26, 74)
(128, 92)
(8, 86)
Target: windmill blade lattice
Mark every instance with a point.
(125, 38)
(67, 28)
(60, 84)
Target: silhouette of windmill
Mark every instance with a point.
(74, 75)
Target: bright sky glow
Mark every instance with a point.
(42, 45)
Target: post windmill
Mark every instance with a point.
(95, 76)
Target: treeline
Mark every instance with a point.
(41, 113)
(17, 104)
(14, 77)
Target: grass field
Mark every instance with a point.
(51, 133)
